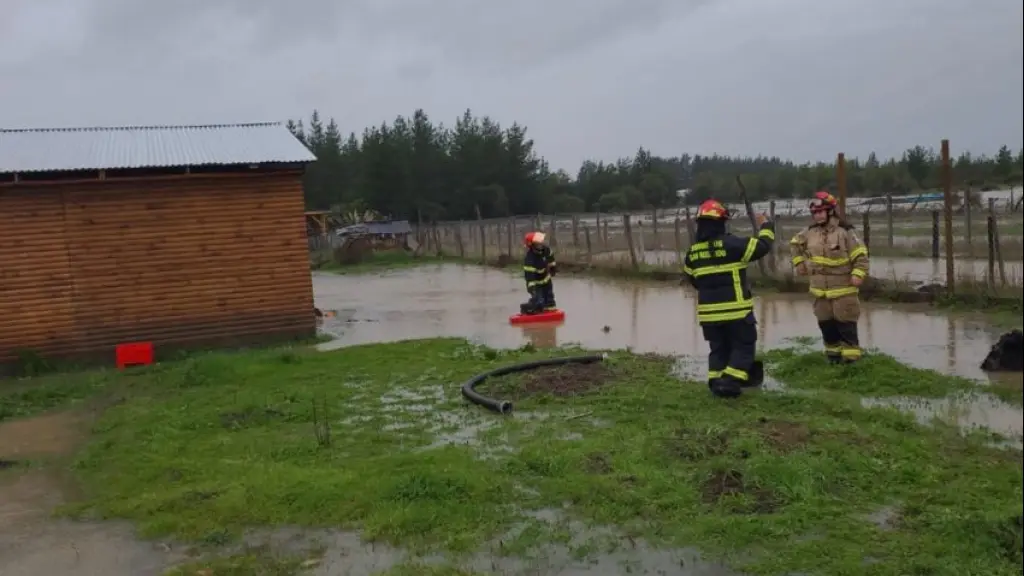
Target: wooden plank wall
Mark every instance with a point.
(36, 288)
(205, 259)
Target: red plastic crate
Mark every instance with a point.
(133, 354)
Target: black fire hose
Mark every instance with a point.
(504, 406)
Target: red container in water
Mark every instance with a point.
(550, 316)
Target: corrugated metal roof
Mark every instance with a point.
(393, 227)
(56, 149)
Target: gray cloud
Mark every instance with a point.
(797, 78)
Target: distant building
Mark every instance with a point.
(383, 234)
(179, 235)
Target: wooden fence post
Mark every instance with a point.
(629, 240)
(947, 209)
(888, 220)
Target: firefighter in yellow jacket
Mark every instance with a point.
(836, 260)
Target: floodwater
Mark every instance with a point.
(917, 270)
(475, 302)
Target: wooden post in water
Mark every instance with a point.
(628, 227)
(654, 227)
(996, 248)
(867, 230)
(677, 232)
(586, 237)
(935, 234)
(969, 229)
(947, 209)
(990, 228)
(888, 220)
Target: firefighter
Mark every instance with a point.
(716, 265)
(836, 260)
(539, 267)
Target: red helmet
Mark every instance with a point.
(532, 238)
(712, 210)
(823, 202)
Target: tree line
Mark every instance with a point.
(414, 168)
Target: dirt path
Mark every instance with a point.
(32, 541)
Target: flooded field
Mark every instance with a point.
(919, 270)
(475, 302)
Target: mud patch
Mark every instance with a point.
(563, 381)
(47, 435)
(782, 435)
(730, 488)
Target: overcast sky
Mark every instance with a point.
(802, 79)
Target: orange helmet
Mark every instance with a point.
(823, 202)
(532, 238)
(712, 210)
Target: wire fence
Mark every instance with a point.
(985, 244)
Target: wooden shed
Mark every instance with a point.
(183, 236)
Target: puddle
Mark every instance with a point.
(475, 302)
(969, 411)
(598, 551)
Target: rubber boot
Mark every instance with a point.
(756, 375)
(726, 387)
(850, 339)
(833, 340)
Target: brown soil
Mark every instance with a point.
(784, 436)
(566, 380)
(726, 485)
(48, 435)
(32, 542)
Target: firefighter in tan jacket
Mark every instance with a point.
(836, 260)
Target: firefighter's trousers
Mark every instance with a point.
(837, 320)
(542, 297)
(731, 357)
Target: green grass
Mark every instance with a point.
(876, 375)
(380, 262)
(204, 448)
(20, 398)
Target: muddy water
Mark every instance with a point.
(920, 270)
(475, 302)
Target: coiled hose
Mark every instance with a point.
(504, 406)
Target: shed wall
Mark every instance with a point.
(174, 261)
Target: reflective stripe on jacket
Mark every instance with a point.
(538, 265)
(718, 270)
(833, 254)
